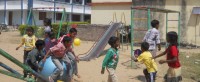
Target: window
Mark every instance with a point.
(88, 2)
(42, 15)
(77, 1)
(58, 16)
(87, 18)
(76, 17)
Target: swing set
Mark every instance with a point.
(31, 16)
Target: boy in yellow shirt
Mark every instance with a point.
(146, 58)
(28, 41)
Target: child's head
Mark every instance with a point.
(113, 42)
(172, 37)
(155, 24)
(39, 44)
(67, 41)
(29, 31)
(47, 22)
(144, 46)
(73, 32)
(50, 35)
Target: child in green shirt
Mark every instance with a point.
(111, 59)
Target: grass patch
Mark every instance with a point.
(190, 66)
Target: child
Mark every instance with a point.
(153, 37)
(36, 55)
(72, 34)
(28, 41)
(111, 59)
(47, 24)
(146, 58)
(174, 71)
(50, 41)
(58, 54)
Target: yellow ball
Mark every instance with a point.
(77, 41)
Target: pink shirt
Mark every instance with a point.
(59, 50)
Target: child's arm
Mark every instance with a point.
(44, 59)
(168, 61)
(22, 43)
(105, 61)
(161, 54)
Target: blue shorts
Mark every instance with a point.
(150, 77)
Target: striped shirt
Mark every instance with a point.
(152, 36)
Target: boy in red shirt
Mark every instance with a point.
(174, 71)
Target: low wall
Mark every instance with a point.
(91, 32)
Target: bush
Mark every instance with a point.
(39, 31)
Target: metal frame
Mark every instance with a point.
(149, 10)
(61, 21)
(14, 73)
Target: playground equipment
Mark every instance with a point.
(148, 19)
(98, 48)
(31, 15)
(14, 73)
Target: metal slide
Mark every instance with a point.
(99, 47)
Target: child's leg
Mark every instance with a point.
(71, 56)
(68, 63)
(146, 74)
(59, 66)
(112, 76)
(24, 61)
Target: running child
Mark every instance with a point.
(111, 59)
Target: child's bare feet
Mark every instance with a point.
(78, 75)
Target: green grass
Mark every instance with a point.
(190, 69)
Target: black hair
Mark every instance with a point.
(112, 41)
(47, 21)
(50, 35)
(62, 33)
(39, 43)
(29, 29)
(154, 23)
(72, 30)
(172, 36)
(66, 39)
(145, 46)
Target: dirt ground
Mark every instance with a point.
(89, 70)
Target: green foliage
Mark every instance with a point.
(39, 31)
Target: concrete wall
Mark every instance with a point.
(104, 14)
(1, 17)
(91, 32)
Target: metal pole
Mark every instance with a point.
(149, 18)
(60, 26)
(16, 76)
(195, 31)
(166, 28)
(179, 25)
(30, 6)
(54, 12)
(25, 67)
(9, 69)
(4, 11)
(21, 11)
(132, 34)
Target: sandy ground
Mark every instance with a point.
(89, 70)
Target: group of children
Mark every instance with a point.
(147, 56)
(59, 50)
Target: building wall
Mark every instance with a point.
(105, 14)
(192, 25)
(93, 1)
